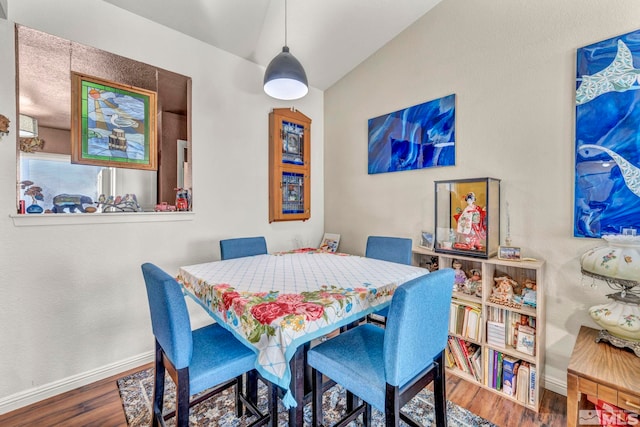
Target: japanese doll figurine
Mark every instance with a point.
(471, 230)
(459, 277)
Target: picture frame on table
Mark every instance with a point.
(113, 124)
(427, 240)
(509, 253)
(330, 242)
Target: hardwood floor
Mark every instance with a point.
(98, 404)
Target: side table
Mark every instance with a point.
(603, 371)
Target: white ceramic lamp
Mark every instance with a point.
(617, 264)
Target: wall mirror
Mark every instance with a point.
(45, 65)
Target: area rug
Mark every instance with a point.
(136, 391)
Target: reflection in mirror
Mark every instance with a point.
(49, 179)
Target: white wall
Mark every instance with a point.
(511, 64)
(72, 299)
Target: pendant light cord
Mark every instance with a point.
(285, 22)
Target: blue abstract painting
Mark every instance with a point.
(607, 176)
(422, 136)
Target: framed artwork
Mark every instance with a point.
(426, 240)
(468, 217)
(330, 242)
(112, 124)
(510, 253)
(422, 136)
(607, 165)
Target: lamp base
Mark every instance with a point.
(604, 335)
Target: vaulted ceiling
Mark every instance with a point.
(329, 37)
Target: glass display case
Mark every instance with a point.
(289, 165)
(467, 217)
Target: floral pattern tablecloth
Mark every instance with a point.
(275, 303)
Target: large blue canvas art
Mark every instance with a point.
(607, 176)
(422, 136)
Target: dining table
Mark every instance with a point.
(277, 304)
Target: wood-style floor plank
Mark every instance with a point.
(99, 404)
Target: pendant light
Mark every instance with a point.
(285, 78)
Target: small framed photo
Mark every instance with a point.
(510, 253)
(427, 240)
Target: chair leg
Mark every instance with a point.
(392, 406)
(158, 388)
(316, 418)
(366, 415)
(252, 389)
(273, 404)
(351, 401)
(439, 392)
(182, 398)
(239, 388)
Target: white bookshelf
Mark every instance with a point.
(491, 268)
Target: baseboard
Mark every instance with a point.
(555, 385)
(36, 394)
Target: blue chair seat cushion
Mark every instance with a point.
(355, 357)
(217, 357)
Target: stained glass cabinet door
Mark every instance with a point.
(289, 165)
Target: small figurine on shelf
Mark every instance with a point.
(459, 277)
(529, 293)
(183, 199)
(473, 285)
(128, 203)
(503, 290)
(35, 193)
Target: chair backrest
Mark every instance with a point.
(417, 325)
(242, 246)
(394, 249)
(169, 315)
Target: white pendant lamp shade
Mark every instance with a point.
(285, 78)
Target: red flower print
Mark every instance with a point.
(310, 310)
(291, 300)
(238, 306)
(267, 312)
(228, 297)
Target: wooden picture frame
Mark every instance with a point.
(509, 253)
(112, 124)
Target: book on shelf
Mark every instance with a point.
(496, 380)
(533, 383)
(466, 356)
(510, 367)
(522, 387)
(465, 319)
(526, 340)
(496, 334)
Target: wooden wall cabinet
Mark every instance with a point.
(481, 351)
(289, 165)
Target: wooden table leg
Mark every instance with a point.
(298, 371)
(573, 400)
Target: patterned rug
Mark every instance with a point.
(136, 392)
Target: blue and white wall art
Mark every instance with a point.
(607, 181)
(422, 136)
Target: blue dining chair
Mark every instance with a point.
(242, 247)
(206, 358)
(386, 367)
(394, 249)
